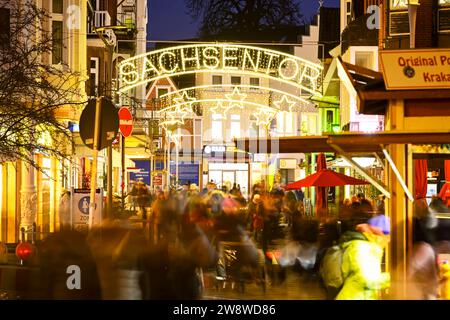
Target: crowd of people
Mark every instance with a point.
(185, 229)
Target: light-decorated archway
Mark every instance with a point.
(223, 58)
(299, 74)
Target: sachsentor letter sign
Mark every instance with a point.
(226, 58)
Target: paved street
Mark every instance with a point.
(295, 287)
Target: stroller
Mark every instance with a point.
(239, 263)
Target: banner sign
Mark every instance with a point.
(416, 69)
(79, 210)
(187, 172)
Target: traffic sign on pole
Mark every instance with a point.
(108, 127)
(125, 122)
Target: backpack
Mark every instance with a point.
(331, 265)
(330, 268)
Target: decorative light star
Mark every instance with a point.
(284, 103)
(219, 108)
(236, 95)
(264, 116)
(185, 98)
(178, 112)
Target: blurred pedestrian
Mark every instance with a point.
(56, 253)
(363, 251)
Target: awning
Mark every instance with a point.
(350, 142)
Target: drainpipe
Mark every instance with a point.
(412, 14)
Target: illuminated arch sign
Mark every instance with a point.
(228, 58)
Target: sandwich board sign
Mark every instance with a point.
(79, 208)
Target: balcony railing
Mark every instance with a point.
(99, 19)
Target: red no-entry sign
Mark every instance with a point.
(125, 122)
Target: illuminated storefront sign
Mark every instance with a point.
(227, 58)
(416, 69)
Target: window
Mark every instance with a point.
(216, 80)
(254, 82)
(364, 59)
(93, 77)
(57, 6)
(162, 91)
(253, 129)
(57, 42)
(235, 126)
(309, 124)
(348, 14)
(329, 116)
(4, 27)
(216, 127)
(286, 123)
(312, 122)
(236, 80)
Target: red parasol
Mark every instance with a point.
(325, 178)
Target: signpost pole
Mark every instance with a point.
(98, 109)
(176, 163)
(109, 185)
(122, 155)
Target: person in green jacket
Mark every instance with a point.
(361, 264)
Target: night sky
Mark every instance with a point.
(168, 19)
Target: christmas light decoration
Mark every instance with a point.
(264, 116)
(219, 108)
(284, 102)
(185, 98)
(223, 58)
(236, 95)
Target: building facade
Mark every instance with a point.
(27, 195)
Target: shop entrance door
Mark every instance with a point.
(228, 179)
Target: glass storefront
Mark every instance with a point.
(227, 174)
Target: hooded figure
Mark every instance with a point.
(361, 264)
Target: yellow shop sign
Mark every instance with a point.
(416, 69)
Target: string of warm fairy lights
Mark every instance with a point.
(176, 114)
(281, 99)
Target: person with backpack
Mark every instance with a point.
(351, 270)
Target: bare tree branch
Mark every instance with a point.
(237, 16)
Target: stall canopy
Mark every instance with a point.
(325, 178)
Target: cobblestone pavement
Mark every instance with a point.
(294, 287)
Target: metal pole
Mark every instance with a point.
(122, 151)
(109, 148)
(109, 180)
(176, 162)
(98, 110)
(168, 165)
